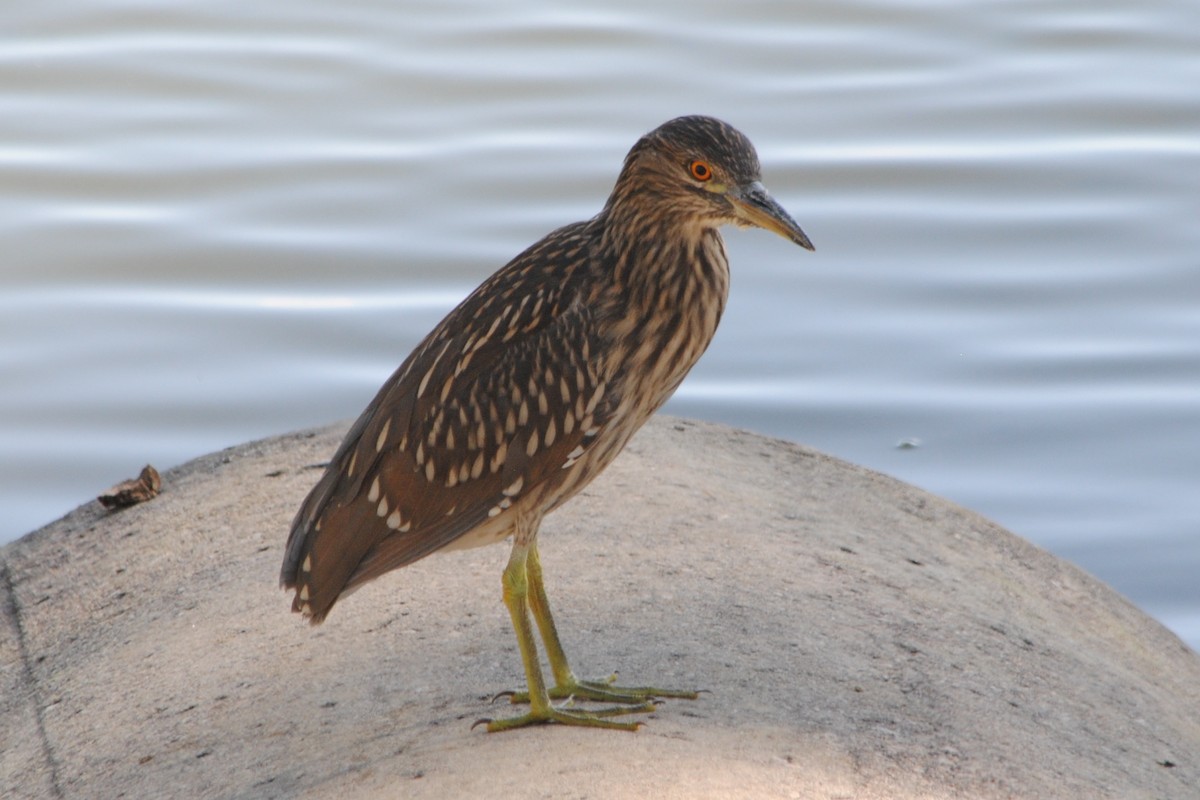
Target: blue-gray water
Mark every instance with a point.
(221, 221)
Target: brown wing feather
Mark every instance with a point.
(485, 412)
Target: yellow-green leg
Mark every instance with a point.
(516, 597)
(566, 685)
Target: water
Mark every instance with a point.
(222, 221)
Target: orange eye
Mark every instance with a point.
(700, 170)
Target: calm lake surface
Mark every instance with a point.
(223, 221)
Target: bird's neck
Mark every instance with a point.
(658, 257)
(666, 294)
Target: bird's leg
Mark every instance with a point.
(566, 685)
(539, 606)
(516, 598)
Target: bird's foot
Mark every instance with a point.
(566, 716)
(604, 691)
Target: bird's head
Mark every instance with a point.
(701, 170)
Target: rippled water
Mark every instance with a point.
(223, 221)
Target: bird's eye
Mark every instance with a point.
(700, 170)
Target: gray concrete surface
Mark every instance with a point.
(858, 638)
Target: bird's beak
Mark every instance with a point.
(754, 206)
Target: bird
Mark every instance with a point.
(529, 389)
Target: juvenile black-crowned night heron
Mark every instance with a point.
(529, 388)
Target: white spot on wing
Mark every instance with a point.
(573, 456)
(500, 457)
(495, 324)
(383, 434)
(595, 398)
(425, 380)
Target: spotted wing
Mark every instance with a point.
(491, 407)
